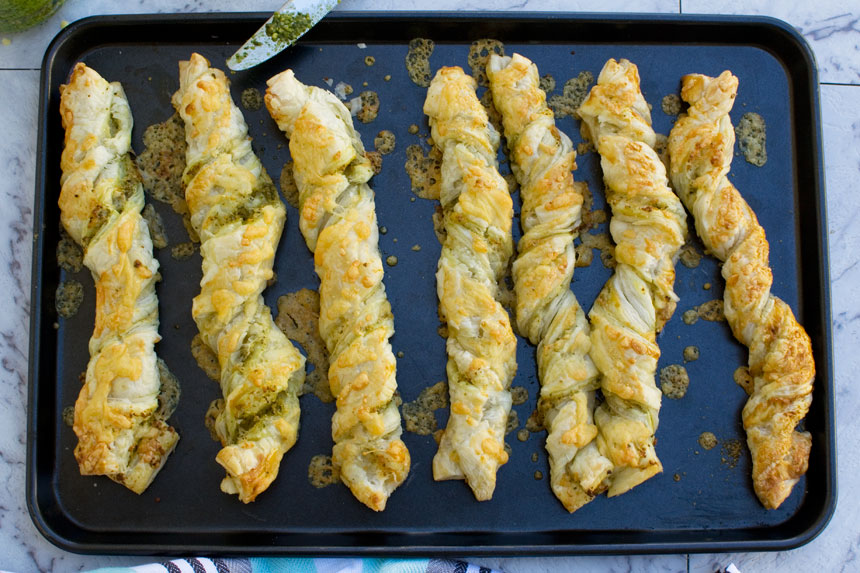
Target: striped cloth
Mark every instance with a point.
(299, 565)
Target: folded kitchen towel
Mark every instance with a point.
(299, 565)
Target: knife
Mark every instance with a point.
(280, 31)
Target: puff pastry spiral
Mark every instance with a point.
(338, 221)
(542, 159)
(121, 430)
(780, 361)
(648, 226)
(481, 345)
(238, 215)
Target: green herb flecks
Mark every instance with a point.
(287, 27)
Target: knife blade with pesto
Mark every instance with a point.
(281, 31)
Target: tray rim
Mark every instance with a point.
(825, 368)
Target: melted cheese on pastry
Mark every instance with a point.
(121, 431)
(648, 226)
(338, 221)
(238, 215)
(542, 159)
(780, 362)
(481, 345)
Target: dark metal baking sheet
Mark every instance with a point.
(699, 503)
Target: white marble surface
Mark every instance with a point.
(831, 27)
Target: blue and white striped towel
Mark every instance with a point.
(299, 565)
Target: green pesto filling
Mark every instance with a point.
(286, 28)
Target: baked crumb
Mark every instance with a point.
(418, 415)
(479, 55)
(707, 440)
(743, 378)
(289, 189)
(534, 423)
(252, 99)
(691, 353)
(69, 416)
(182, 250)
(205, 358)
(211, 416)
(712, 311)
(68, 298)
(424, 171)
(690, 317)
(369, 109)
(298, 318)
(690, 257)
(519, 395)
(322, 471)
(572, 95)
(671, 104)
(375, 159)
(731, 452)
(751, 132)
(602, 241)
(157, 232)
(384, 142)
(547, 83)
(162, 164)
(70, 256)
(674, 381)
(585, 147)
(513, 422)
(418, 61)
(169, 393)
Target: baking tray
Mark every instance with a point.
(703, 501)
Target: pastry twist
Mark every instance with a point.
(238, 215)
(481, 345)
(121, 430)
(780, 362)
(542, 159)
(649, 227)
(338, 221)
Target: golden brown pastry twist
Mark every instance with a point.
(481, 345)
(649, 227)
(121, 430)
(238, 215)
(338, 221)
(542, 159)
(780, 361)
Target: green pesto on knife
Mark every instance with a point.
(286, 27)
